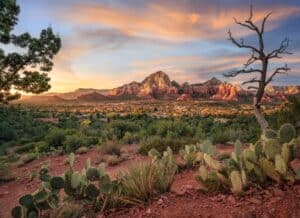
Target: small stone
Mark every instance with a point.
(160, 201)
(148, 211)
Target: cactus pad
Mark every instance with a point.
(75, 180)
(214, 164)
(57, 182)
(280, 165)
(18, 212)
(92, 174)
(287, 132)
(269, 169)
(236, 182)
(26, 200)
(203, 173)
(33, 214)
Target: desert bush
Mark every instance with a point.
(55, 137)
(130, 138)
(73, 142)
(26, 147)
(161, 144)
(42, 146)
(222, 136)
(111, 147)
(81, 150)
(6, 174)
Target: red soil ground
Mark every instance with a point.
(184, 199)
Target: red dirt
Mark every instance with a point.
(10, 192)
(183, 200)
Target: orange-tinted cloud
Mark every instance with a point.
(172, 23)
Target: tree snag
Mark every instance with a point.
(259, 57)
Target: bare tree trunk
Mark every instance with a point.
(259, 116)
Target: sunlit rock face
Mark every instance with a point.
(156, 85)
(227, 92)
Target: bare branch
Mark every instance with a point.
(243, 71)
(252, 87)
(251, 60)
(241, 44)
(254, 80)
(251, 12)
(280, 70)
(243, 24)
(264, 22)
(281, 50)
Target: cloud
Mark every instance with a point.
(171, 23)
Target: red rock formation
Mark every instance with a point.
(227, 92)
(131, 89)
(154, 86)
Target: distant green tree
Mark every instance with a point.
(26, 68)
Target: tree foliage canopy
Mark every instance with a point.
(24, 69)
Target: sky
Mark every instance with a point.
(107, 43)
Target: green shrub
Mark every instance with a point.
(26, 148)
(42, 146)
(55, 137)
(130, 138)
(73, 142)
(5, 172)
(161, 144)
(222, 136)
(81, 150)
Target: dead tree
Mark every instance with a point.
(260, 59)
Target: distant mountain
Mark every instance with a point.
(156, 85)
(42, 99)
(159, 86)
(77, 93)
(92, 97)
